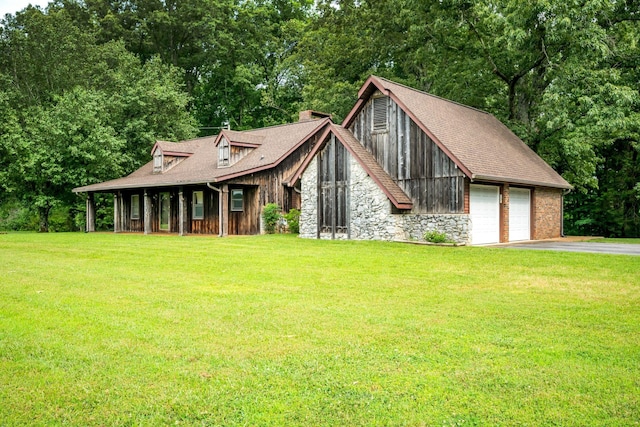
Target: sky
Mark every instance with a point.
(12, 6)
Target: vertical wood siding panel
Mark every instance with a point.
(392, 167)
(407, 146)
(413, 161)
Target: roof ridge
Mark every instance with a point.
(433, 96)
(282, 124)
(189, 140)
(178, 142)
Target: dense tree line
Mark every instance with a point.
(86, 86)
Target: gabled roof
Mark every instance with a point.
(202, 166)
(251, 138)
(480, 145)
(395, 194)
(185, 148)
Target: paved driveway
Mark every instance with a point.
(600, 248)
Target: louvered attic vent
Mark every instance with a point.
(380, 113)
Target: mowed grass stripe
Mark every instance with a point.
(275, 330)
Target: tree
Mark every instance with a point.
(252, 79)
(180, 32)
(561, 75)
(82, 112)
(62, 146)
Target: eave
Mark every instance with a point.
(501, 180)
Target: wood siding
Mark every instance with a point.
(413, 160)
(237, 153)
(208, 225)
(246, 221)
(127, 223)
(333, 176)
(270, 183)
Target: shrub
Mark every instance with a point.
(15, 217)
(271, 216)
(293, 220)
(435, 236)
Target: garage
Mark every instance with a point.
(484, 208)
(519, 214)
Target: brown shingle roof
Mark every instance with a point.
(202, 165)
(482, 146)
(252, 137)
(278, 143)
(185, 147)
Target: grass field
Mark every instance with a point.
(103, 329)
(615, 240)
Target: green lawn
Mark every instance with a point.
(616, 240)
(102, 329)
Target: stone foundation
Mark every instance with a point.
(455, 226)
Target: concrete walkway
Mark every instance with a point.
(577, 245)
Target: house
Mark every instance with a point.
(404, 162)
(212, 185)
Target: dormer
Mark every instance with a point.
(235, 145)
(166, 155)
(223, 153)
(157, 160)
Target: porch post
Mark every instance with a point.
(147, 212)
(182, 214)
(224, 212)
(91, 214)
(124, 226)
(116, 212)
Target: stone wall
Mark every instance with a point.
(456, 226)
(370, 215)
(309, 201)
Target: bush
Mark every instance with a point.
(15, 217)
(293, 220)
(271, 216)
(435, 236)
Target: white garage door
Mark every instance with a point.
(519, 214)
(484, 206)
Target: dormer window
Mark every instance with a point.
(157, 161)
(223, 153)
(380, 114)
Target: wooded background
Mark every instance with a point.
(86, 87)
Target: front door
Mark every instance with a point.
(165, 207)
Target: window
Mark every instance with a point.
(198, 205)
(157, 161)
(237, 201)
(223, 153)
(135, 206)
(380, 114)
